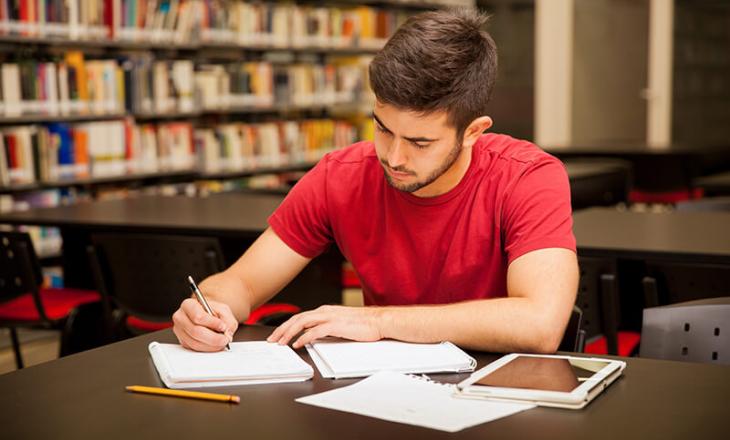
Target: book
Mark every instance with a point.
(412, 400)
(338, 360)
(247, 363)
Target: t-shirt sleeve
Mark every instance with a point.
(537, 212)
(302, 219)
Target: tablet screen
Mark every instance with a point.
(540, 373)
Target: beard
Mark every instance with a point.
(435, 174)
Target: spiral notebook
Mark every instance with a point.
(246, 363)
(337, 359)
(413, 400)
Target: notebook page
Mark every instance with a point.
(351, 358)
(412, 400)
(252, 360)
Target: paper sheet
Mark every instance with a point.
(412, 400)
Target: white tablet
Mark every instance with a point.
(546, 380)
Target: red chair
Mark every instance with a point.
(23, 302)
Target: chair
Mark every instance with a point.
(598, 297)
(24, 303)
(142, 279)
(693, 331)
(575, 337)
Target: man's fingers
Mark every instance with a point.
(295, 325)
(197, 337)
(199, 316)
(314, 333)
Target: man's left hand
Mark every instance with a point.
(354, 323)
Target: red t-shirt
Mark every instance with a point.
(513, 199)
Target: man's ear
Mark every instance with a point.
(475, 129)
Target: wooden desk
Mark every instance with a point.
(236, 218)
(657, 169)
(225, 214)
(82, 396)
(680, 236)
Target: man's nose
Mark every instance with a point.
(396, 154)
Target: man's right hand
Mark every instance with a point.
(199, 331)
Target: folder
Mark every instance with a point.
(247, 363)
(337, 360)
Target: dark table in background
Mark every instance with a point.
(686, 236)
(686, 255)
(715, 184)
(236, 218)
(82, 396)
(598, 182)
(657, 169)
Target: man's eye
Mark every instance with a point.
(381, 129)
(419, 146)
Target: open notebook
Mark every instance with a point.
(247, 363)
(336, 359)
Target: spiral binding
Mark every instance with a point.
(426, 379)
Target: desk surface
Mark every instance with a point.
(693, 235)
(82, 396)
(220, 214)
(636, 149)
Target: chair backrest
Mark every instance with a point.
(598, 299)
(20, 271)
(694, 331)
(574, 337)
(145, 274)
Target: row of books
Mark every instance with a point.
(58, 152)
(202, 21)
(68, 86)
(68, 19)
(142, 85)
(240, 146)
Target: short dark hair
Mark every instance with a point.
(438, 61)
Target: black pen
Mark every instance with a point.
(201, 299)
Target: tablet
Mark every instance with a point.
(546, 380)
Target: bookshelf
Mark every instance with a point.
(101, 95)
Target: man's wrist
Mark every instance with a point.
(383, 321)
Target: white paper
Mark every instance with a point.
(246, 363)
(359, 359)
(412, 400)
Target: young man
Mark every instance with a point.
(455, 234)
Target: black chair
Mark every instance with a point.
(598, 298)
(575, 337)
(693, 331)
(24, 303)
(143, 279)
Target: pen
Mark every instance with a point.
(182, 393)
(202, 301)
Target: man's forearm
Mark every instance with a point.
(498, 325)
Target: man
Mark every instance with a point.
(455, 234)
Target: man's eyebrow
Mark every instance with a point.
(410, 139)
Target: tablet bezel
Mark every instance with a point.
(580, 396)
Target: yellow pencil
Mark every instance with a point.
(182, 393)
